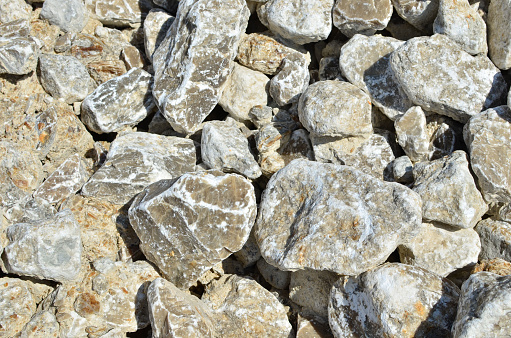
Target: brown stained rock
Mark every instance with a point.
(17, 305)
(361, 17)
(42, 324)
(497, 266)
(87, 305)
(102, 71)
(119, 13)
(132, 58)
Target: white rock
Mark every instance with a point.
(499, 33)
(19, 52)
(495, 239)
(17, 305)
(412, 135)
(11, 10)
(156, 25)
(361, 17)
(292, 79)
(70, 15)
(42, 324)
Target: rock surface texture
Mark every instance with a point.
(499, 33)
(361, 17)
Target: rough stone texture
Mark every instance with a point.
(132, 58)
(332, 217)
(103, 71)
(188, 225)
(460, 22)
(70, 15)
(445, 135)
(300, 21)
(441, 249)
(402, 170)
(484, 306)
(448, 191)
(495, 239)
(249, 253)
(487, 137)
(419, 13)
(17, 305)
(11, 10)
(260, 115)
(312, 328)
(292, 79)
(329, 69)
(393, 300)
(42, 324)
(372, 73)
(18, 51)
(244, 89)
(136, 160)
(156, 25)
(412, 134)
(194, 61)
(65, 77)
(496, 265)
(440, 77)
(119, 13)
(499, 33)
(361, 17)
(224, 147)
(47, 249)
(119, 102)
(275, 277)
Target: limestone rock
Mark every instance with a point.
(445, 135)
(136, 160)
(440, 77)
(249, 253)
(70, 16)
(484, 306)
(103, 71)
(119, 13)
(18, 51)
(496, 265)
(26, 211)
(460, 22)
(11, 10)
(42, 324)
(487, 137)
(393, 300)
(361, 17)
(193, 62)
(402, 170)
(419, 13)
(156, 25)
(499, 33)
(291, 81)
(188, 225)
(495, 239)
(47, 249)
(299, 21)
(275, 277)
(17, 305)
(412, 134)
(224, 147)
(132, 58)
(372, 73)
(312, 328)
(331, 217)
(260, 115)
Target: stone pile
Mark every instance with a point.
(255, 168)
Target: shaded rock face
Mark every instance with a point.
(156, 24)
(419, 13)
(499, 33)
(361, 17)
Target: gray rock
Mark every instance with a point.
(27, 211)
(260, 115)
(412, 134)
(275, 277)
(194, 61)
(393, 300)
(188, 225)
(292, 79)
(17, 305)
(440, 77)
(70, 16)
(122, 101)
(42, 324)
(156, 25)
(361, 17)
(119, 13)
(50, 248)
(495, 239)
(331, 217)
(224, 147)
(18, 50)
(487, 137)
(136, 160)
(419, 13)
(65, 77)
(11, 10)
(499, 33)
(483, 308)
(402, 169)
(329, 69)
(249, 253)
(448, 191)
(308, 327)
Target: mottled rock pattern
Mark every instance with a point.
(499, 33)
(402, 170)
(103, 71)
(11, 10)
(70, 15)
(496, 265)
(361, 17)
(275, 277)
(18, 51)
(119, 13)
(419, 13)
(17, 305)
(412, 134)
(495, 239)
(156, 24)
(292, 79)
(42, 324)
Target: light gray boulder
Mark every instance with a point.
(292, 79)
(18, 50)
(70, 15)
(412, 134)
(42, 324)
(119, 13)
(361, 17)
(495, 239)
(419, 13)
(156, 25)
(499, 33)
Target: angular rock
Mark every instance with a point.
(412, 135)
(193, 62)
(402, 170)
(495, 239)
(419, 13)
(42, 324)
(132, 58)
(291, 81)
(445, 136)
(329, 69)
(103, 71)
(17, 305)
(487, 137)
(119, 13)
(275, 277)
(331, 217)
(18, 50)
(312, 328)
(249, 253)
(70, 16)
(499, 33)
(188, 225)
(224, 147)
(440, 77)
(448, 191)
(496, 265)
(136, 160)
(260, 115)
(300, 21)
(361, 17)
(50, 248)
(11, 10)
(484, 306)
(156, 25)
(393, 300)
(26, 211)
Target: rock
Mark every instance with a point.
(119, 13)
(373, 73)
(26, 211)
(50, 248)
(70, 16)
(448, 191)
(42, 324)
(65, 77)
(18, 50)
(301, 21)
(495, 239)
(244, 89)
(499, 33)
(119, 102)
(275, 277)
(103, 71)
(291, 81)
(136, 160)
(132, 58)
(191, 66)
(496, 265)
(440, 77)
(419, 13)
(295, 228)
(462, 24)
(483, 307)
(393, 300)
(402, 170)
(11, 10)
(249, 253)
(224, 147)
(260, 115)
(412, 135)
(312, 328)
(445, 136)
(17, 305)
(156, 24)
(361, 17)
(188, 225)
(329, 69)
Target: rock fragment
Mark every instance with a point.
(156, 24)
(361, 17)
(70, 16)
(495, 239)
(499, 33)
(402, 170)
(291, 81)
(419, 13)
(119, 13)
(18, 51)
(412, 134)
(17, 305)
(275, 277)
(42, 324)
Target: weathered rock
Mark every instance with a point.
(484, 306)
(319, 216)
(156, 25)
(419, 13)
(26, 211)
(260, 115)
(136, 160)
(300, 21)
(440, 77)
(402, 30)
(329, 69)
(42, 324)
(70, 16)
(103, 71)
(499, 33)
(275, 277)
(188, 225)
(193, 62)
(412, 134)
(495, 239)
(249, 253)
(17, 305)
(11, 10)
(119, 102)
(119, 13)
(291, 81)
(372, 73)
(132, 58)
(460, 22)
(496, 265)
(18, 50)
(47, 249)
(361, 17)
(224, 147)
(445, 136)
(402, 170)
(312, 328)
(487, 137)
